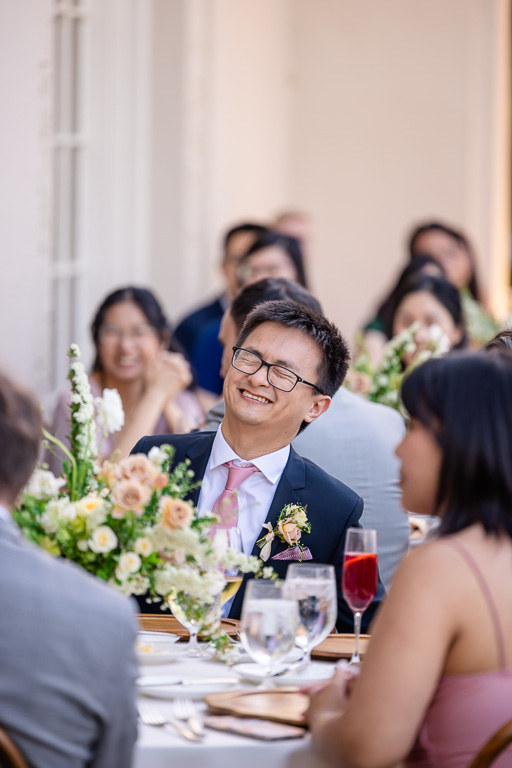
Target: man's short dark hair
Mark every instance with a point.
(335, 352)
(270, 289)
(256, 229)
(20, 438)
(502, 340)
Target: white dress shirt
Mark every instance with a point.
(255, 494)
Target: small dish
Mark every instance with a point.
(314, 672)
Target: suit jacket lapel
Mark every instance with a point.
(199, 454)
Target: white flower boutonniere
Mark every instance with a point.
(291, 524)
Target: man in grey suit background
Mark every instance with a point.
(354, 441)
(67, 657)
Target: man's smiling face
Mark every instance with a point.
(252, 401)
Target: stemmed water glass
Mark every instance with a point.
(314, 588)
(360, 575)
(195, 616)
(269, 623)
(225, 539)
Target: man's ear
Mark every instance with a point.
(320, 405)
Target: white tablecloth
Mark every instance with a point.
(162, 748)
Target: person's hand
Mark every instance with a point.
(333, 696)
(169, 375)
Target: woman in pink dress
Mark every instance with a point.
(436, 682)
(131, 336)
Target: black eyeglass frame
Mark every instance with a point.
(269, 366)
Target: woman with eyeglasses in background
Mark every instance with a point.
(132, 336)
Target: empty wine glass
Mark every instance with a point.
(360, 576)
(225, 540)
(195, 615)
(268, 624)
(314, 588)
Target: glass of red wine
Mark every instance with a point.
(360, 575)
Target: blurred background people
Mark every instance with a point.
(453, 251)
(131, 337)
(437, 675)
(273, 254)
(190, 330)
(68, 649)
(298, 224)
(379, 330)
(356, 441)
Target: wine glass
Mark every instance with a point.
(195, 615)
(269, 623)
(360, 575)
(314, 588)
(225, 539)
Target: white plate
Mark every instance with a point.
(315, 672)
(153, 649)
(198, 691)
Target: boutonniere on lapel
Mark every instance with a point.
(291, 524)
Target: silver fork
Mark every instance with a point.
(151, 715)
(184, 709)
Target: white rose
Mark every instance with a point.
(110, 411)
(43, 484)
(103, 539)
(157, 457)
(301, 518)
(143, 547)
(129, 563)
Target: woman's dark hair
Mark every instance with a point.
(445, 293)
(502, 340)
(146, 302)
(270, 289)
(269, 238)
(416, 267)
(461, 240)
(464, 401)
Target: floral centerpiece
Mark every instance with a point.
(125, 522)
(381, 383)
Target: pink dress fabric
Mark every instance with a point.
(467, 709)
(186, 400)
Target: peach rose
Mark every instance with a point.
(109, 473)
(290, 531)
(129, 495)
(160, 480)
(175, 513)
(137, 467)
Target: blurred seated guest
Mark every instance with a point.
(436, 682)
(298, 224)
(131, 336)
(190, 330)
(272, 254)
(502, 340)
(453, 251)
(68, 641)
(435, 305)
(379, 330)
(354, 441)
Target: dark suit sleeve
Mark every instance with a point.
(345, 622)
(140, 447)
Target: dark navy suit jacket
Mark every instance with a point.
(332, 507)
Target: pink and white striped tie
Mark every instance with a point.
(226, 506)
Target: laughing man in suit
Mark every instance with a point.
(287, 364)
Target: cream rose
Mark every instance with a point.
(143, 547)
(103, 539)
(301, 518)
(129, 563)
(137, 467)
(290, 531)
(129, 495)
(175, 513)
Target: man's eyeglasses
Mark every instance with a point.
(277, 375)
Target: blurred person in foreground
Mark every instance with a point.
(190, 330)
(67, 641)
(288, 363)
(436, 682)
(354, 441)
(131, 337)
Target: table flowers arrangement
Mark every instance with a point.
(126, 522)
(381, 383)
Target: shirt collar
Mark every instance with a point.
(271, 465)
